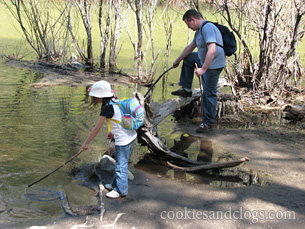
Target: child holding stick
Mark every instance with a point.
(102, 93)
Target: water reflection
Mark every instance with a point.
(203, 149)
(225, 178)
(195, 148)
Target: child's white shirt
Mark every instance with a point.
(122, 136)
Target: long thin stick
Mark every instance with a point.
(199, 77)
(56, 168)
(157, 81)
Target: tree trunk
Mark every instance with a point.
(115, 35)
(84, 8)
(102, 46)
(104, 32)
(138, 5)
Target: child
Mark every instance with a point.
(101, 93)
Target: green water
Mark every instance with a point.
(38, 132)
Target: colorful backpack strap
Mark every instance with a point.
(108, 119)
(109, 124)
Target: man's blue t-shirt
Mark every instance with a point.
(209, 33)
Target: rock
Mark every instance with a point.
(108, 164)
(294, 112)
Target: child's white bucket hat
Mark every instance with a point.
(101, 89)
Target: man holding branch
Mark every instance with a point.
(210, 59)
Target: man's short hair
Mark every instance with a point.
(190, 14)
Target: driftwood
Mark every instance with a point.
(210, 165)
(101, 204)
(154, 114)
(66, 205)
(147, 133)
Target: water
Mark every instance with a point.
(39, 130)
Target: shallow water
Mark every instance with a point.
(38, 132)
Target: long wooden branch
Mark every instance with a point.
(101, 204)
(210, 165)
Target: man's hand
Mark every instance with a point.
(176, 64)
(199, 71)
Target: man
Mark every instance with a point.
(211, 60)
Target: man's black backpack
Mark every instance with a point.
(229, 42)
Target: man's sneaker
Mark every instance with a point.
(114, 194)
(203, 128)
(108, 187)
(182, 92)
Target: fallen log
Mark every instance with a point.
(161, 111)
(210, 165)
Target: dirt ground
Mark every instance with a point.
(157, 202)
(278, 154)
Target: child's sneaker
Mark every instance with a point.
(113, 194)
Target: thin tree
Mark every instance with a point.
(137, 7)
(116, 32)
(35, 26)
(104, 31)
(150, 15)
(84, 7)
(279, 27)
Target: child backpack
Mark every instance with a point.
(132, 114)
(229, 41)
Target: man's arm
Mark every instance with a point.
(208, 60)
(186, 51)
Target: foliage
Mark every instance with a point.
(278, 27)
(274, 28)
